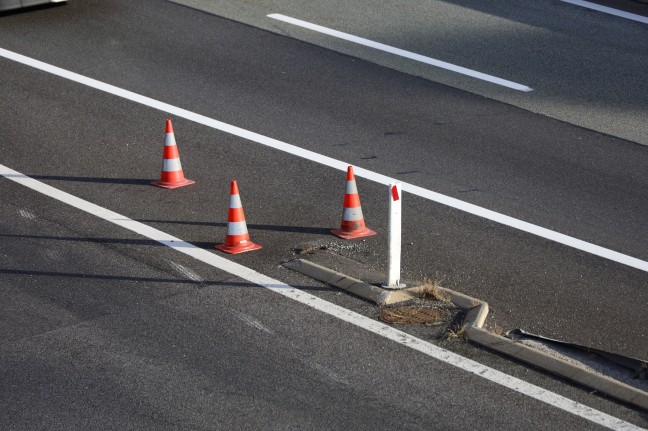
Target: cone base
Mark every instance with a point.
(236, 249)
(359, 233)
(174, 185)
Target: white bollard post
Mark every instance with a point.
(394, 231)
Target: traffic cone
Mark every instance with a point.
(353, 224)
(237, 239)
(172, 175)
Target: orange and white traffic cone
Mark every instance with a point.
(353, 224)
(172, 175)
(237, 239)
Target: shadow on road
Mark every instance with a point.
(137, 181)
(227, 283)
(251, 226)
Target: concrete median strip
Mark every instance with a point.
(476, 314)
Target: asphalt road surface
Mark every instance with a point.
(585, 67)
(104, 328)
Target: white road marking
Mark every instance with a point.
(186, 272)
(349, 316)
(26, 214)
(401, 52)
(608, 10)
(251, 321)
(333, 163)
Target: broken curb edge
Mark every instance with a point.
(476, 313)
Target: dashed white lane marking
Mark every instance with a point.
(251, 321)
(401, 52)
(24, 213)
(348, 316)
(608, 10)
(333, 163)
(190, 274)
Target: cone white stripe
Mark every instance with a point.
(235, 201)
(171, 165)
(169, 140)
(236, 228)
(351, 188)
(352, 214)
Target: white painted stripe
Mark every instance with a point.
(333, 163)
(169, 140)
(351, 188)
(186, 271)
(171, 165)
(341, 313)
(608, 10)
(235, 201)
(352, 214)
(27, 214)
(251, 321)
(236, 228)
(401, 52)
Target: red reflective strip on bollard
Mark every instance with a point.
(395, 193)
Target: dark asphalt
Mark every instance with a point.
(106, 150)
(101, 330)
(585, 67)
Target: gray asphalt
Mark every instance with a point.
(586, 68)
(99, 334)
(106, 150)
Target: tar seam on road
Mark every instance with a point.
(608, 10)
(401, 52)
(333, 163)
(326, 307)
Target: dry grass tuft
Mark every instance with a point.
(430, 291)
(456, 333)
(498, 330)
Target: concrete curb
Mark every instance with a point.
(477, 311)
(352, 285)
(559, 367)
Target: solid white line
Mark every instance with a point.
(333, 163)
(608, 10)
(351, 317)
(401, 52)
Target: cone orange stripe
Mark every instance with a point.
(234, 240)
(171, 160)
(350, 229)
(234, 188)
(172, 177)
(237, 239)
(171, 152)
(352, 224)
(351, 201)
(235, 214)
